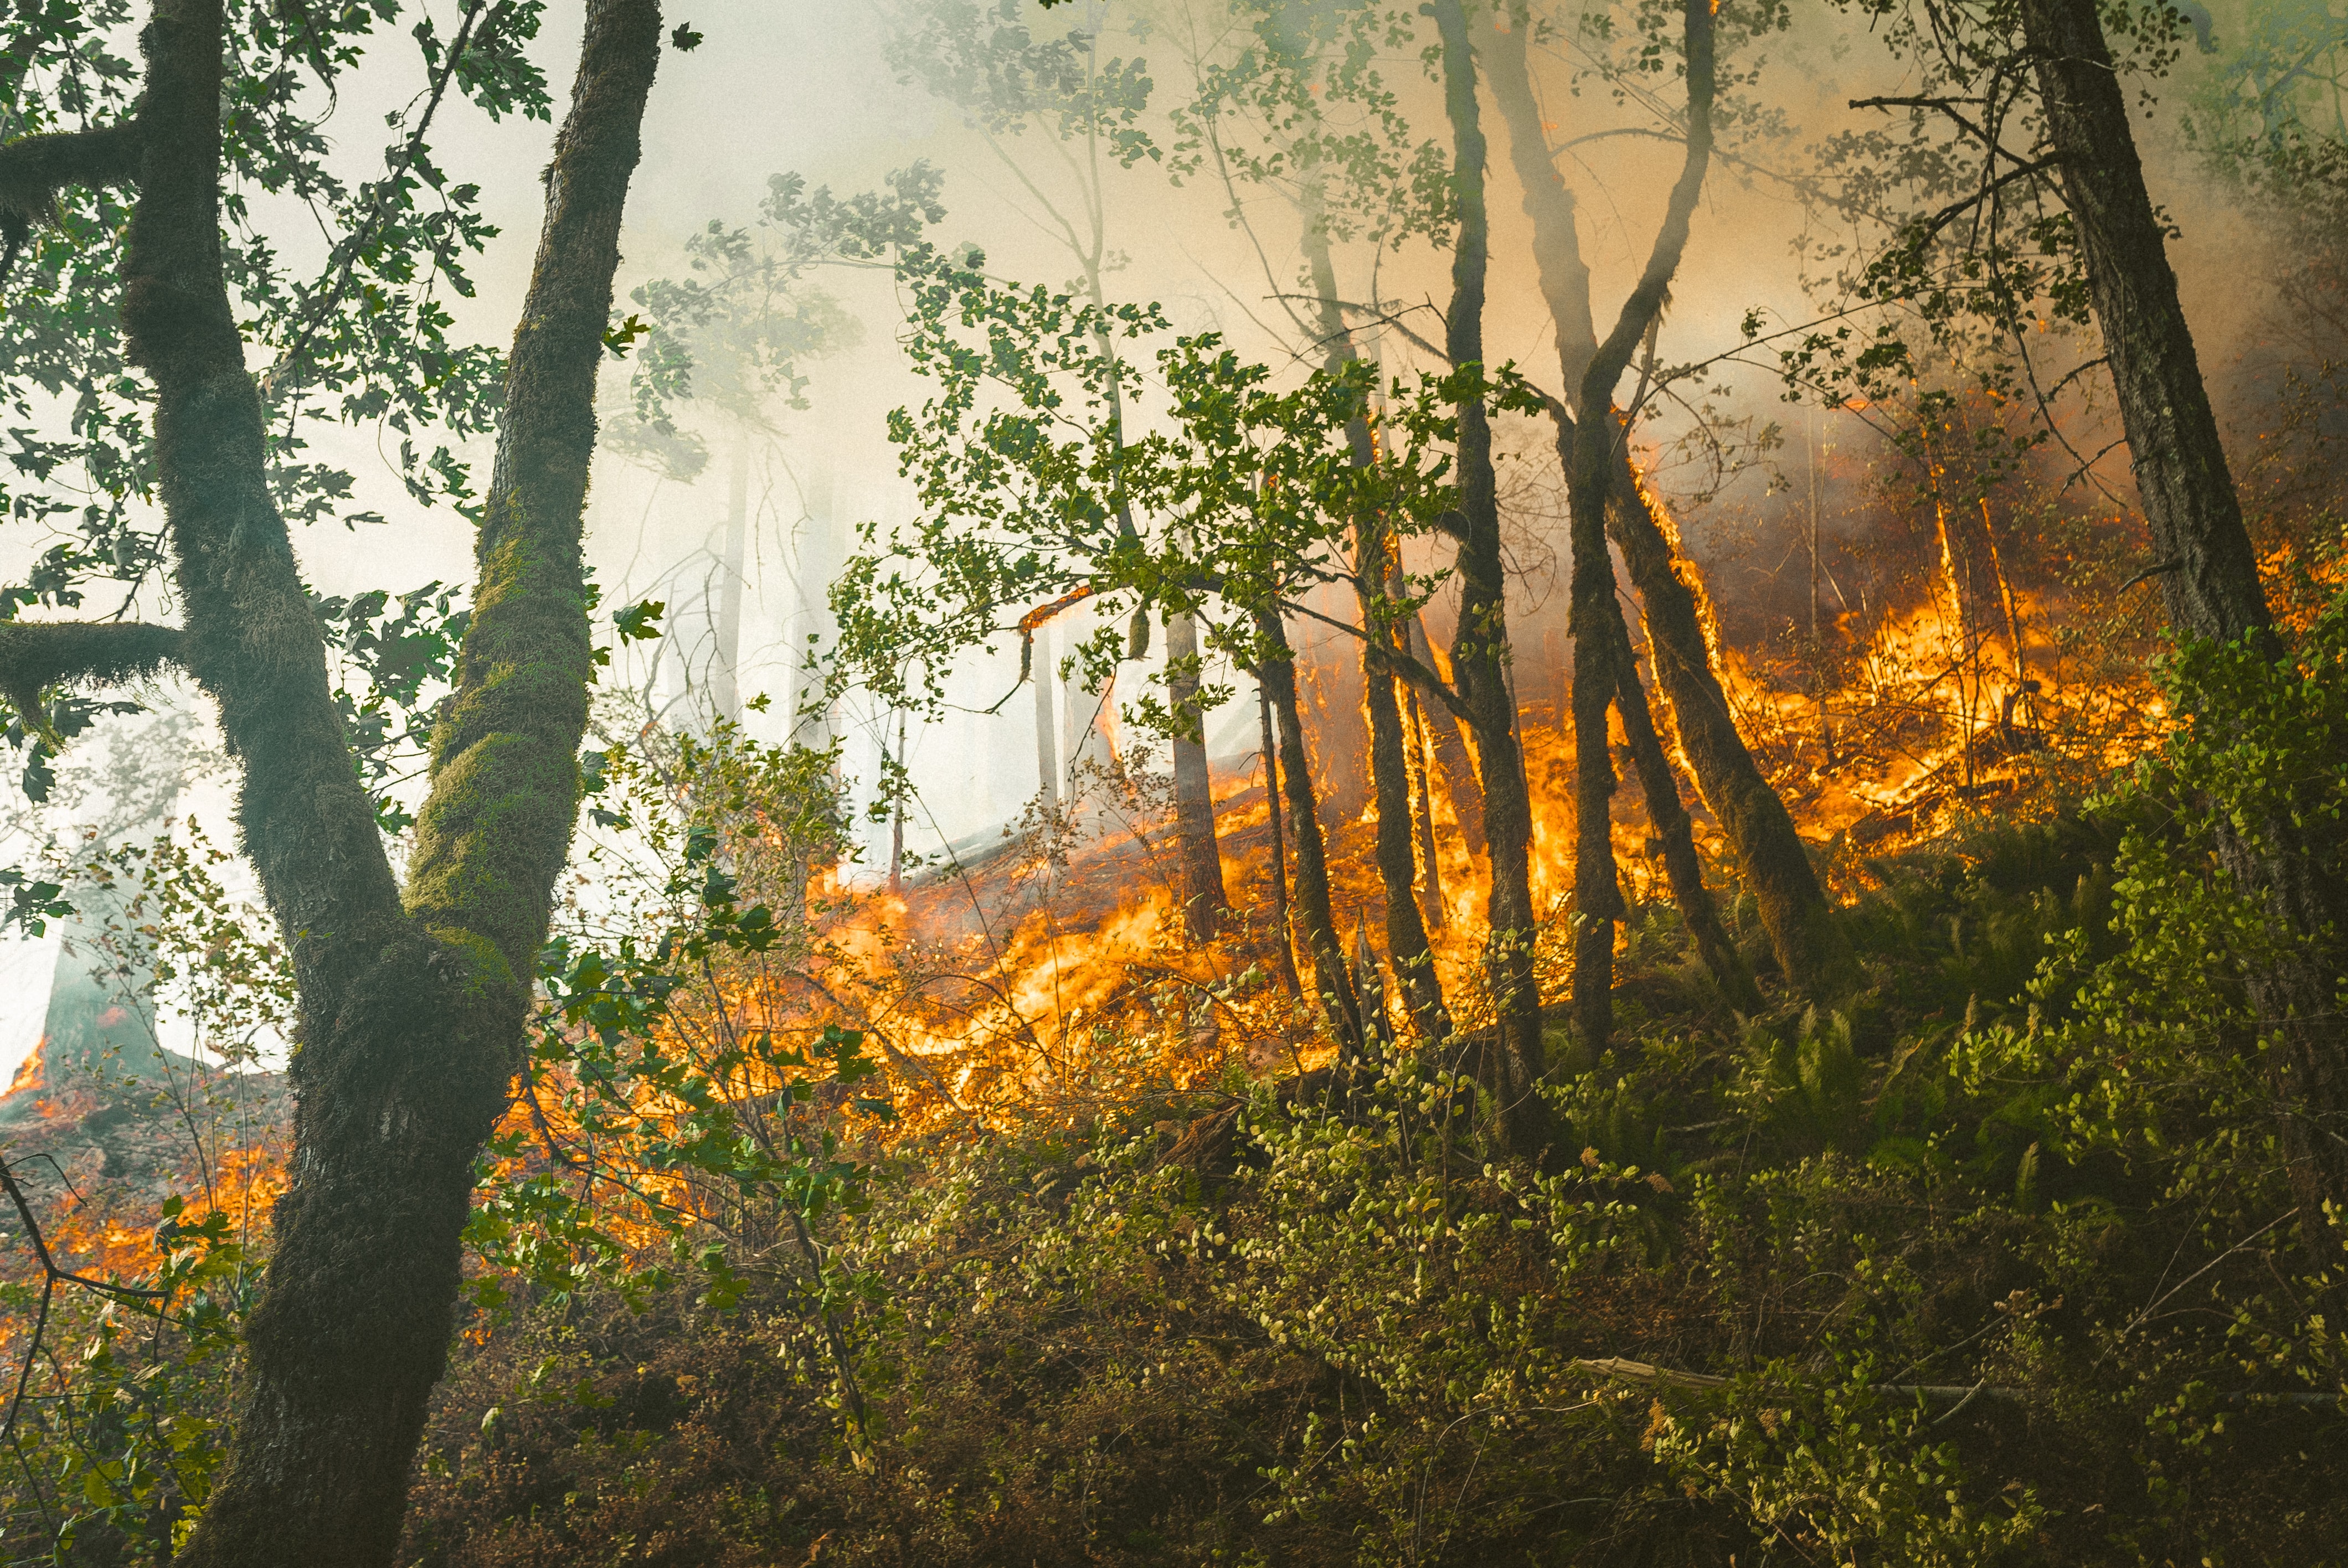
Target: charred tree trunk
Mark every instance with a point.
(1316, 921)
(1406, 944)
(1810, 948)
(411, 1008)
(1479, 654)
(1286, 945)
(2207, 570)
(1204, 901)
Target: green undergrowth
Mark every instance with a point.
(2000, 1262)
(2036, 1161)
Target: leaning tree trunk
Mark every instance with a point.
(411, 1009)
(1204, 900)
(1407, 948)
(1479, 651)
(2206, 567)
(1811, 946)
(1668, 816)
(1309, 906)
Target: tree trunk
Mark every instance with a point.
(1418, 750)
(1309, 905)
(2206, 568)
(1048, 757)
(1668, 817)
(1479, 651)
(1460, 784)
(1600, 643)
(1597, 679)
(1810, 948)
(726, 625)
(410, 1023)
(1565, 285)
(1285, 945)
(1204, 900)
(1408, 947)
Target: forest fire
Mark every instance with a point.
(1366, 786)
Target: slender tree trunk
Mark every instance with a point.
(1683, 868)
(897, 820)
(411, 1010)
(1406, 944)
(1407, 948)
(1596, 620)
(1810, 948)
(1810, 945)
(1204, 900)
(726, 626)
(1048, 757)
(1285, 945)
(2206, 568)
(1419, 752)
(1601, 644)
(1480, 657)
(1460, 784)
(1316, 922)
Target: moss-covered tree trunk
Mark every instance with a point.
(1479, 651)
(2208, 573)
(411, 1006)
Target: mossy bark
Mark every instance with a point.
(1479, 651)
(411, 1009)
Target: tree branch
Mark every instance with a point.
(1395, 663)
(34, 168)
(38, 654)
(495, 831)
